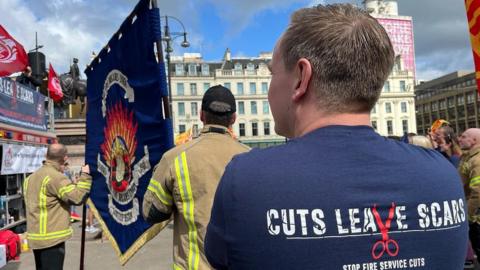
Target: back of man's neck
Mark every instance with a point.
(345, 119)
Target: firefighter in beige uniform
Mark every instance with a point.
(469, 169)
(185, 180)
(48, 196)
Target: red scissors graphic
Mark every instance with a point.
(386, 243)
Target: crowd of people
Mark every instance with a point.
(336, 196)
(462, 153)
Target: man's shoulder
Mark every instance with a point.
(257, 158)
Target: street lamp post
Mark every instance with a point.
(168, 38)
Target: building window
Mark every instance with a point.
(181, 109)
(206, 86)
(227, 85)
(471, 98)
(253, 107)
(241, 127)
(386, 87)
(266, 128)
(192, 69)
(254, 129)
(253, 88)
(443, 104)
(250, 69)
(180, 89)
(193, 89)
(238, 66)
(240, 88)
(238, 69)
(264, 88)
(194, 108)
(451, 102)
(241, 107)
(205, 70)
(374, 109)
(388, 107)
(179, 69)
(403, 106)
(266, 108)
(181, 128)
(460, 100)
(403, 87)
(405, 126)
(374, 125)
(389, 127)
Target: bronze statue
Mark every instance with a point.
(74, 70)
(73, 87)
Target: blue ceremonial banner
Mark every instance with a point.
(126, 130)
(21, 106)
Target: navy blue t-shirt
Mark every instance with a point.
(341, 198)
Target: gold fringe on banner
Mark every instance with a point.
(140, 242)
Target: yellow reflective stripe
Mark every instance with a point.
(183, 177)
(25, 185)
(157, 194)
(84, 185)
(176, 267)
(474, 181)
(155, 187)
(48, 236)
(43, 205)
(65, 189)
(25, 188)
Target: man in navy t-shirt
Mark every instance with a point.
(337, 195)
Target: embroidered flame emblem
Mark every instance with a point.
(8, 50)
(119, 146)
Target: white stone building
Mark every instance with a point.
(247, 78)
(394, 113)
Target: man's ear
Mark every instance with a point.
(303, 76)
(234, 118)
(202, 117)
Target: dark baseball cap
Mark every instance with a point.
(218, 100)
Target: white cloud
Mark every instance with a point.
(316, 3)
(238, 14)
(66, 28)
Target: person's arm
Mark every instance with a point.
(69, 192)
(158, 200)
(216, 247)
(474, 185)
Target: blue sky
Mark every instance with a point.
(75, 28)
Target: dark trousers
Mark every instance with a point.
(474, 234)
(50, 258)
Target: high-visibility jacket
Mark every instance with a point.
(469, 169)
(184, 183)
(48, 195)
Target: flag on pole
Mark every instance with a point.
(54, 87)
(126, 130)
(473, 11)
(13, 57)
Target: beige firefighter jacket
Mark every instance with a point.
(184, 182)
(469, 169)
(48, 195)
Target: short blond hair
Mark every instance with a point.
(350, 53)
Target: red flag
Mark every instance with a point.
(13, 57)
(473, 8)
(54, 87)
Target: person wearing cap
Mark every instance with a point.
(185, 180)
